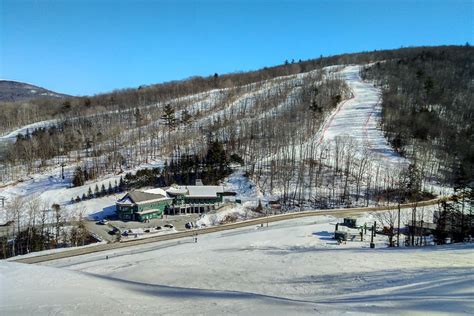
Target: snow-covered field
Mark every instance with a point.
(291, 267)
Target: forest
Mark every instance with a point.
(428, 107)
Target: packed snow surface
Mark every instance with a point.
(290, 267)
(359, 117)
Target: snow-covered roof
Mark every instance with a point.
(177, 190)
(139, 197)
(125, 201)
(196, 190)
(156, 191)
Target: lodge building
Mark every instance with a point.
(175, 200)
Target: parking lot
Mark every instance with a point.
(178, 221)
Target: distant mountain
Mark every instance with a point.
(19, 91)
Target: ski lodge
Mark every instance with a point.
(175, 200)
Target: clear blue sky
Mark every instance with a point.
(85, 47)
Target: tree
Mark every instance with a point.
(57, 223)
(412, 179)
(103, 192)
(186, 118)
(78, 177)
(169, 118)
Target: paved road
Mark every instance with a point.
(262, 220)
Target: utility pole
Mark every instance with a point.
(62, 170)
(372, 245)
(398, 230)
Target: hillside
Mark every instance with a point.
(297, 121)
(12, 91)
(308, 135)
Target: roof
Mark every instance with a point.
(177, 190)
(125, 201)
(141, 197)
(160, 191)
(196, 190)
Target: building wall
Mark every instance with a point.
(129, 213)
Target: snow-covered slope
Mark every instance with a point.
(359, 117)
(293, 267)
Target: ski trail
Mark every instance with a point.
(359, 118)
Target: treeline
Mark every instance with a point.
(25, 112)
(185, 169)
(34, 226)
(428, 107)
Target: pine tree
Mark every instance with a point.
(96, 190)
(169, 118)
(78, 178)
(103, 192)
(89, 193)
(121, 184)
(186, 118)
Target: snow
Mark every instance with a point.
(139, 233)
(156, 191)
(197, 190)
(291, 267)
(30, 128)
(359, 117)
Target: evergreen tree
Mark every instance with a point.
(96, 190)
(186, 118)
(169, 118)
(103, 192)
(78, 178)
(89, 193)
(121, 184)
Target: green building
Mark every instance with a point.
(141, 206)
(197, 198)
(175, 200)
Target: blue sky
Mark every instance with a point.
(84, 47)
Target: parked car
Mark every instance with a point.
(158, 227)
(169, 226)
(125, 234)
(147, 230)
(188, 225)
(103, 222)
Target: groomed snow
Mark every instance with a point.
(291, 267)
(359, 117)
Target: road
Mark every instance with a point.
(262, 220)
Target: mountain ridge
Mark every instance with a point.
(12, 91)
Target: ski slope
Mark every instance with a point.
(359, 117)
(292, 267)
